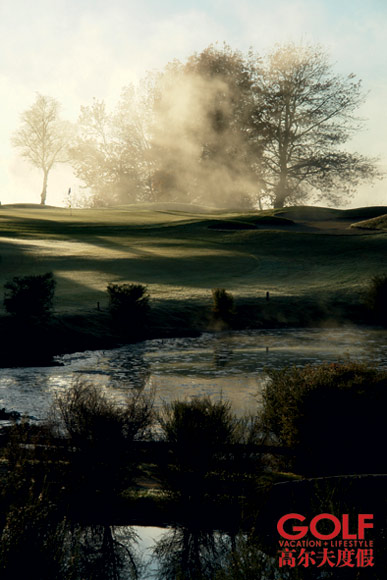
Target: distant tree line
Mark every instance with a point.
(222, 128)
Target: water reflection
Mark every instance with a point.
(229, 365)
(191, 553)
(38, 546)
(222, 352)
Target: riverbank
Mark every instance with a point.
(36, 342)
(311, 263)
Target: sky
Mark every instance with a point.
(74, 50)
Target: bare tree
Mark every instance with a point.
(43, 137)
(304, 114)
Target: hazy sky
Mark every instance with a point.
(75, 50)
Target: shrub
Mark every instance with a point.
(332, 415)
(376, 298)
(40, 543)
(195, 430)
(223, 306)
(102, 432)
(27, 296)
(34, 544)
(128, 303)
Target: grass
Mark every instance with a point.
(376, 223)
(179, 256)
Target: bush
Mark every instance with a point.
(332, 415)
(34, 544)
(102, 434)
(195, 430)
(376, 298)
(27, 296)
(128, 303)
(223, 306)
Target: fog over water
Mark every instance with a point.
(229, 365)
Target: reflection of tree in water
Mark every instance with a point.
(130, 369)
(102, 556)
(222, 352)
(61, 477)
(37, 544)
(247, 561)
(190, 553)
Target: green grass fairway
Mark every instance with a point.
(178, 253)
(376, 223)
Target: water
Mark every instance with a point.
(228, 365)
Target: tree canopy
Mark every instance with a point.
(110, 151)
(202, 126)
(223, 129)
(306, 115)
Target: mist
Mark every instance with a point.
(228, 130)
(201, 153)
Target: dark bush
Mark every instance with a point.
(101, 433)
(50, 487)
(332, 415)
(195, 430)
(129, 304)
(27, 296)
(223, 308)
(376, 298)
(34, 544)
(39, 542)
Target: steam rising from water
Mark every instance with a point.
(227, 365)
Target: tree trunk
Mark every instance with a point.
(43, 195)
(280, 193)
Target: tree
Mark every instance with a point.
(201, 138)
(110, 152)
(228, 129)
(304, 114)
(43, 137)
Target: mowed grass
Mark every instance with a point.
(179, 254)
(376, 223)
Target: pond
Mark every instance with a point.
(229, 365)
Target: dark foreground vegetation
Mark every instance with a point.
(35, 334)
(220, 481)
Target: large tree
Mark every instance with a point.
(228, 129)
(201, 138)
(43, 137)
(304, 117)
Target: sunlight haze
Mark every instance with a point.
(76, 50)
